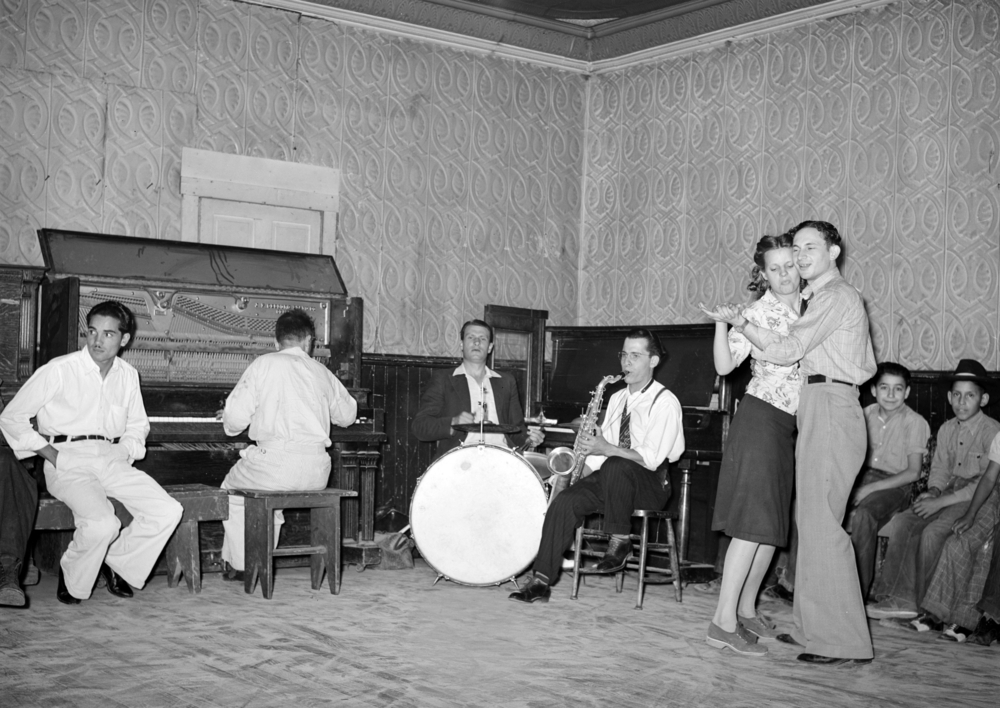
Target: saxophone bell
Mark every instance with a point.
(561, 461)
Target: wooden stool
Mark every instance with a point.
(637, 561)
(258, 534)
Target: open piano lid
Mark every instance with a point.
(103, 256)
(581, 356)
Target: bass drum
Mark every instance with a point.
(477, 514)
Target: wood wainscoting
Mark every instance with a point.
(396, 383)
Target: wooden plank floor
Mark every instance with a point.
(396, 639)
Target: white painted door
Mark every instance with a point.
(229, 223)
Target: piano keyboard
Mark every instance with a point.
(166, 419)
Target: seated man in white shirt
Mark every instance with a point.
(288, 400)
(91, 426)
(642, 428)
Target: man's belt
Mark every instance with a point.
(819, 378)
(74, 438)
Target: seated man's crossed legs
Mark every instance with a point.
(617, 489)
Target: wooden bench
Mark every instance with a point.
(183, 553)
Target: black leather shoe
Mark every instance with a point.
(534, 591)
(10, 582)
(62, 594)
(987, 632)
(614, 559)
(116, 585)
(788, 639)
(830, 660)
(233, 575)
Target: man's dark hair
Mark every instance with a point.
(652, 343)
(115, 310)
(475, 323)
(891, 368)
(294, 324)
(829, 231)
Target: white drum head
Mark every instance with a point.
(477, 514)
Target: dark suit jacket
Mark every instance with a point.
(448, 395)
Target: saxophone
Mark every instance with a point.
(563, 460)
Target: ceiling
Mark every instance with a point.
(584, 30)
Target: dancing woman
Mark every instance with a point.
(753, 503)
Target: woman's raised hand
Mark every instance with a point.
(726, 312)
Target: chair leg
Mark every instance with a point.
(322, 535)
(620, 581)
(578, 548)
(187, 555)
(675, 565)
(333, 569)
(258, 542)
(643, 547)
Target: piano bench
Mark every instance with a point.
(183, 552)
(259, 551)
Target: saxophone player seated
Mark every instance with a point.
(641, 429)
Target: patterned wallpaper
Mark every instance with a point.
(460, 173)
(463, 174)
(884, 122)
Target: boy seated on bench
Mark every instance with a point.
(897, 440)
(91, 426)
(288, 399)
(917, 535)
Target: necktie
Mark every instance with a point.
(624, 430)
(803, 305)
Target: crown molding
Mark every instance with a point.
(452, 40)
(756, 28)
(461, 42)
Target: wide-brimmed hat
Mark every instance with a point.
(970, 370)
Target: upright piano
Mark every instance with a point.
(203, 313)
(581, 356)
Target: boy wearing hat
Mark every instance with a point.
(917, 535)
(960, 577)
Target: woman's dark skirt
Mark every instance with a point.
(754, 498)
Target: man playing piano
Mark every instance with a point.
(642, 428)
(289, 401)
(91, 426)
(471, 393)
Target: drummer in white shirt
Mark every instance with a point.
(289, 401)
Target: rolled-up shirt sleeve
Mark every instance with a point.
(15, 420)
(343, 407)
(663, 434)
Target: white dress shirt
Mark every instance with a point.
(289, 400)
(656, 428)
(479, 395)
(69, 397)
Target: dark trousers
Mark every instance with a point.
(874, 512)
(617, 489)
(18, 504)
(989, 604)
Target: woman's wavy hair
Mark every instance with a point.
(758, 283)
